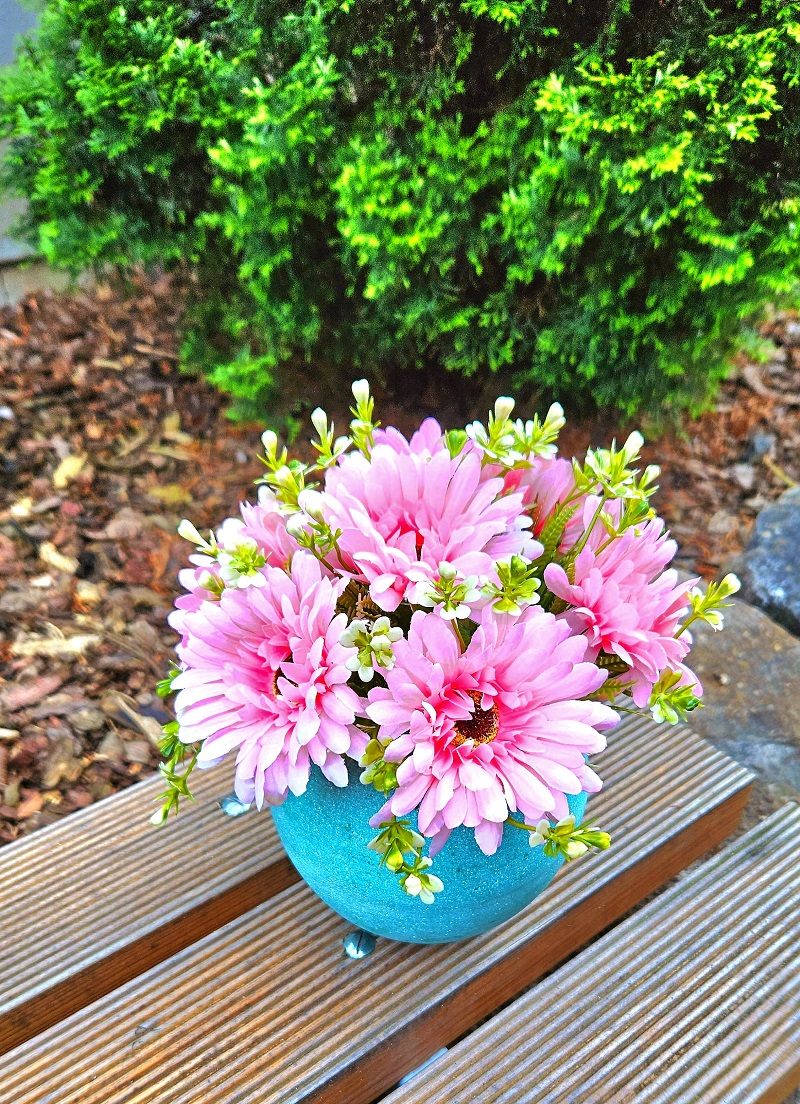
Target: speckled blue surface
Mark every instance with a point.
(480, 891)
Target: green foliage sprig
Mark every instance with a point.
(178, 759)
(178, 762)
(564, 838)
(395, 841)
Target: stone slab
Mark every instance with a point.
(770, 569)
(15, 19)
(751, 676)
(12, 250)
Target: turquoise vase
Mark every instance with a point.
(326, 831)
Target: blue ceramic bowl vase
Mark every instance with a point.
(326, 831)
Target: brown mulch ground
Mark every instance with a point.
(105, 447)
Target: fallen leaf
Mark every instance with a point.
(50, 555)
(171, 430)
(171, 495)
(28, 693)
(133, 444)
(22, 508)
(30, 805)
(56, 648)
(67, 470)
(172, 453)
(148, 350)
(125, 525)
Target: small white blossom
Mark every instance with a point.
(239, 557)
(542, 833)
(575, 849)
(312, 503)
(454, 599)
(319, 420)
(190, 532)
(423, 885)
(535, 439)
(632, 447)
(373, 643)
(296, 525)
(360, 390)
(231, 534)
(269, 440)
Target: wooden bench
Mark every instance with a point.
(188, 966)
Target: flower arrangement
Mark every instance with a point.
(463, 614)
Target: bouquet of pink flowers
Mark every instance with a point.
(456, 614)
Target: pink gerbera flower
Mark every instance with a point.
(411, 506)
(625, 604)
(547, 483)
(264, 672)
(262, 527)
(497, 729)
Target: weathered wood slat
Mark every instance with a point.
(695, 999)
(90, 903)
(269, 1010)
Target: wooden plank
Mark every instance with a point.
(693, 1000)
(90, 903)
(269, 1010)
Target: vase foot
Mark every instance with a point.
(358, 943)
(232, 806)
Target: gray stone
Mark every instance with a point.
(63, 764)
(771, 573)
(137, 751)
(751, 676)
(111, 747)
(87, 720)
(721, 523)
(744, 475)
(761, 444)
(20, 601)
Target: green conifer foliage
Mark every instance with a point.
(590, 195)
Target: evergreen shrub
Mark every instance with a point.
(589, 195)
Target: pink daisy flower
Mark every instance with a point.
(266, 525)
(497, 729)
(263, 526)
(625, 604)
(411, 506)
(264, 672)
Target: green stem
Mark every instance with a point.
(633, 712)
(581, 544)
(689, 621)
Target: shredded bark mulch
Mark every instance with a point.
(105, 445)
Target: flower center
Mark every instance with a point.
(481, 727)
